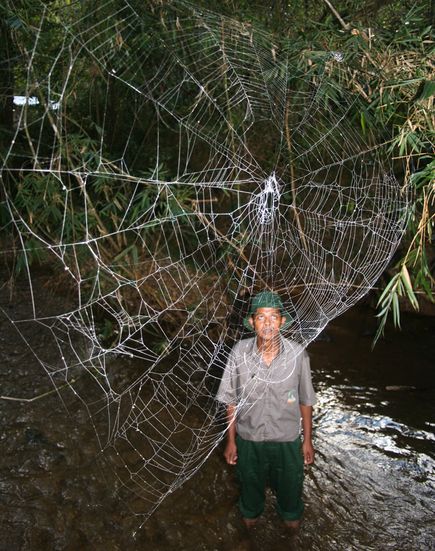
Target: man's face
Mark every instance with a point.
(267, 322)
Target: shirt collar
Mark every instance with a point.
(256, 353)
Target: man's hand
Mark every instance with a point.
(307, 446)
(230, 453)
(308, 452)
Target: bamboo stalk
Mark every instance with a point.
(345, 26)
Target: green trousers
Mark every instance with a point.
(279, 465)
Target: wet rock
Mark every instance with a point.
(34, 437)
(39, 538)
(12, 540)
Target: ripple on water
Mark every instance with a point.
(368, 470)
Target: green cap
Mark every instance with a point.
(267, 299)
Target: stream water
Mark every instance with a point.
(372, 486)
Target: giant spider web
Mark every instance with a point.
(218, 163)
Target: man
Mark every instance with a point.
(267, 389)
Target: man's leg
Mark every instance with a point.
(286, 480)
(251, 473)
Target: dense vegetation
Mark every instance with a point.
(389, 49)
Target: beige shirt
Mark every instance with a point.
(267, 397)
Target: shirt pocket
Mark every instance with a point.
(289, 397)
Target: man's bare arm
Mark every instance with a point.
(230, 452)
(307, 426)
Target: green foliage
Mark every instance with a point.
(388, 54)
(390, 68)
(400, 285)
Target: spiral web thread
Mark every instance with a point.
(257, 181)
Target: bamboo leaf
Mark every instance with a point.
(124, 252)
(427, 289)
(135, 254)
(396, 310)
(406, 279)
(426, 90)
(363, 122)
(386, 292)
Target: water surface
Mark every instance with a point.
(371, 488)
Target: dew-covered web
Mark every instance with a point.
(191, 161)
